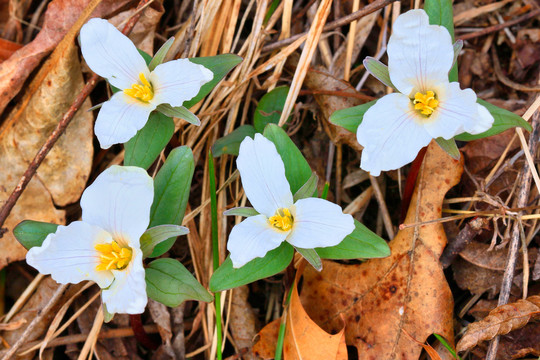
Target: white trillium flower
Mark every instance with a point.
(427, 105)
(104, 247)
(110, 54)
(307, 223)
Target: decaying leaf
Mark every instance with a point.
(59, 18)
(304, 339)
(382, 299)
(500, 321)
(63, 175)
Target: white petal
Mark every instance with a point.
(127, 293)
(319, 223)
(263, 175)
(69, 254)
(119, 201)
(457, 112)
(419, 55)
(391, 133)
(120, 118)
(253, 238)
(110, 54)
(177, 81)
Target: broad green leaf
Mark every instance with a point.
(241, 211)
(504, 120)
(160, 54)
(158, 234)
(362, 243)
(144, 148)
(32, 233)
(440, 12)
(220, 65)
(311, 257)
(230, 143)
(179, 112)
(379, 70)
(270, 107)
(449, 146)
(308, 189)
(351, 118)
(170, 283)
(297, 169)
(227, 277)
(171, 191)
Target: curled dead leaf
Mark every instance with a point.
(501, 321)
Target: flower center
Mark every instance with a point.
(143, 92)
(282, 220)
(113, 257)
(426, 103)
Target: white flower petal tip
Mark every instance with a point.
(319, 223)
(263, 175)
(119, 119)
(178, 81)
(420, 55)
(104, 247)
(253, 238)
(110, 54)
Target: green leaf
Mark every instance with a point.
(227, 277)
(312, 257)
(230, 143)
(440, 12)
(160, 54)
(269, 108)
(179, 112)
(220, 65)
(504, 120)
(147, 58)
(170, 283)
(297, 169)
(144, 148)
(449, 146)
(362, 243)
(241, 211)
(378, 70)
(308, 189)
(158, 234)
(171, 191)
(32, 233)
(351, 118)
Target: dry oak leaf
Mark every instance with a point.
(387, 302)
(59, 17)
(304, 339)
(501, 321)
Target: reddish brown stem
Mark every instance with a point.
(498, 27)
(57, 132)
(140, 334)
(410, 182)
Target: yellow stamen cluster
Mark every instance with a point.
(425, 103)
(143, 91)
(113, 257)
(282, 220)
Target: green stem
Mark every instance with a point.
(325, 190)
(215, 249)
(283, 326)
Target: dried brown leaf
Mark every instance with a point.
(501, 321)
(380, 299)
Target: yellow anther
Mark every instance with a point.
(144, 92)
(425, 103)
(282, 220)
(113, 257)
